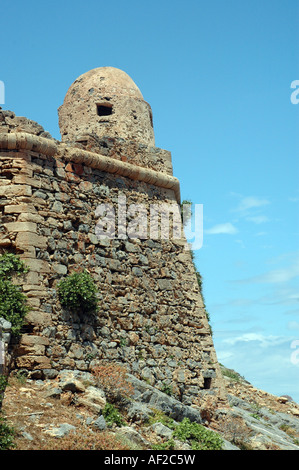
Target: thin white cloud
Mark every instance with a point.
(264, 341)
(251, 202)
(265, 360)
(224, 356)
(279, 275)
(226, 228)
(250, 207)
(293, 325)
(258, 219)
(276, 276)
(295, 197)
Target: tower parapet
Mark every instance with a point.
(104, 112)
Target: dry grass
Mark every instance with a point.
(112, 378)
(26, 409)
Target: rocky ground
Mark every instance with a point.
(72, 412)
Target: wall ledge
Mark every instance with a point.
(48, 147)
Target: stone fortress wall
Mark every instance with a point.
(152, 316)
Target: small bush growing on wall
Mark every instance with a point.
(13, 306)
(78, 293)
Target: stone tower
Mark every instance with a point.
(151, 317)
(106, 102)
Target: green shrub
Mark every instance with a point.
(11, 264)
(3, 385)
(6, 435)
(168, 445)
(160, 417)
(13, 303)
(167, 389)
(197, 435)
(112, 415)
(78, 292)
(3, 382)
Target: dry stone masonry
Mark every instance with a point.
(151, 316)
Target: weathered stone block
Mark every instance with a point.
(33, 340)
(37, 265)
(16, 190)
(23, 179)
(33, 362)
(60, 268)
(33, 302)
(25, 239)
(115, 265)
(19, 208)
(33, 350)
(32, 278)
(31, 217)
(165, 284)
(21, 227)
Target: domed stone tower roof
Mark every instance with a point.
(105, 102)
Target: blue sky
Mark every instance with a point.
(218, 77)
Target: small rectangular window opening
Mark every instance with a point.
(104, 109)
(207, 383)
